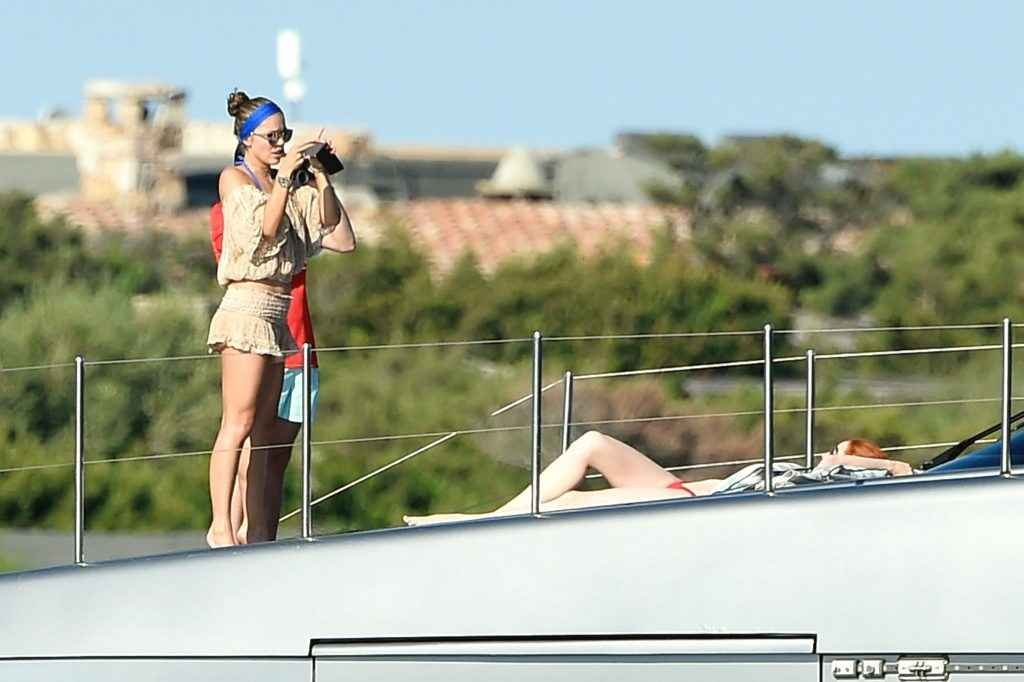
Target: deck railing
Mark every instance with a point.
(568, 381)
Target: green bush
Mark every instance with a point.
(933, 241)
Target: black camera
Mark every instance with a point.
(302, 175)
(330, 163)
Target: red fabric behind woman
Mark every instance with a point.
(300, 323)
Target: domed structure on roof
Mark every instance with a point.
(518, 175)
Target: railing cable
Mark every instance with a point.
(425, 344)
(6, 370)
(664, 335)
(170, 358)
(817, 455)
(366, 477)
(855, 330)
(524, 427)
(136, 458)
(582, 337)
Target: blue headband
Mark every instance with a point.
(262, 113)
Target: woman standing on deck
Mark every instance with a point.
(265, 471)
(271, 226)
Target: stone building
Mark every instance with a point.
(133, 161)
(128, 144)
(124, 151)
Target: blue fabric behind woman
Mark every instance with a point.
(988, 456)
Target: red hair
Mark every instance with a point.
(864, 448)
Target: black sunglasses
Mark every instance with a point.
(276, 137)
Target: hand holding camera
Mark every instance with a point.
(309, 159)
(322, 159)
(295, 159)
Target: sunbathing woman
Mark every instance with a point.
(634, 477)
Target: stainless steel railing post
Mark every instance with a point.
(79, 459)
(535, 445)
(307, 440)
(769, 412)
(566, 410)
(809, 434)
(1006, 465)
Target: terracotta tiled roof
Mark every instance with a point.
(495, 230)
(93, 215)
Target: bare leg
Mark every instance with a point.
(578, 499)
(238, 523)
(263, 434)
(277, 462)
(241, 376)
(622, 465)
(273, 484)
(573, 499)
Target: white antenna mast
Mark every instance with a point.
(289, 68)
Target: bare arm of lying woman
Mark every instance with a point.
(634, 477)
(864, 454)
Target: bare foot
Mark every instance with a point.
(243, 532)
(217, 539)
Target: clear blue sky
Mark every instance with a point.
(932, 77)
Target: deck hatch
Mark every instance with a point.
(570, 647)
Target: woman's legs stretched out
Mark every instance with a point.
(622, 466)
(241, 378)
